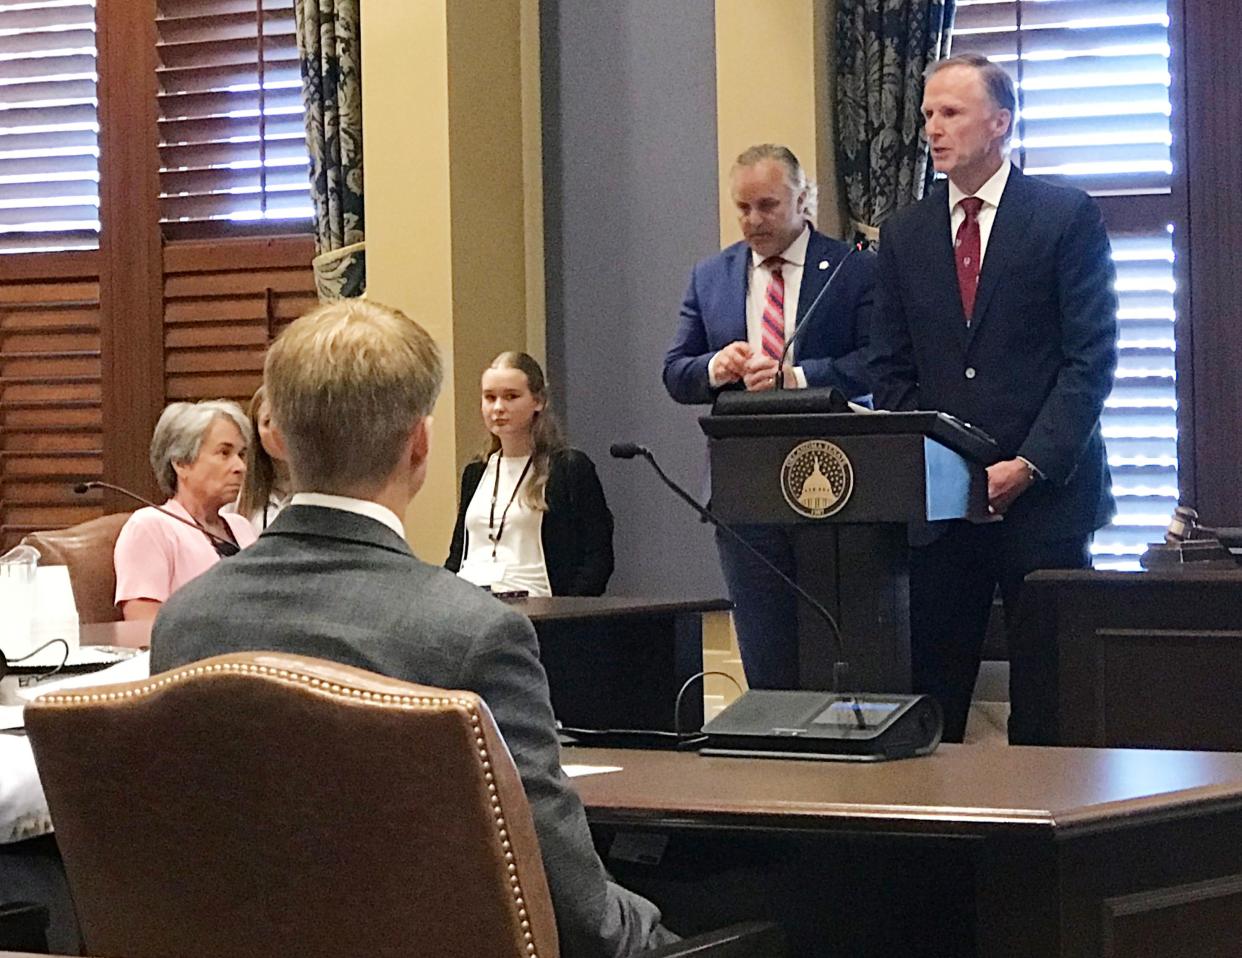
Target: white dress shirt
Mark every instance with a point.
(757, 278)
(361, 507)
(990, 192)
(518, 562)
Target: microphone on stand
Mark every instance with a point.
(806, 317)
(223, 546)
(809, 724)
(840, 669)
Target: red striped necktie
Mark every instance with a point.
(774, 310)
(967, 249)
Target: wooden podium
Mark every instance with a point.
(859, 487)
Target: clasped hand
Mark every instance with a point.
(755, 369)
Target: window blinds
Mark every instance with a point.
(232, 135)
(49, 130)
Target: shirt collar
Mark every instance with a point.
(794, 254)
(990, 192)
(360, 507)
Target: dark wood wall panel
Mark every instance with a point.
(223, 303)
(51, 427)
(1211, 76)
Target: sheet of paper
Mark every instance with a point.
(577, 771)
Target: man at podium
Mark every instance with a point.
(737, 321)
(996, 304)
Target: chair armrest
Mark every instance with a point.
(752, 939)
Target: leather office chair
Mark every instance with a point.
(87, 550)
(270, 804)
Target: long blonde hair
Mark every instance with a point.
(546, 437)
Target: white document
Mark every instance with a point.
(578, 771)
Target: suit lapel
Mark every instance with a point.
(735, 287)
(1004, 244)
(813, 278)
(937, 237)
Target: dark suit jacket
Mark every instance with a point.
(1036, 363)
(338, 586)
(576, 531)
(832, 352)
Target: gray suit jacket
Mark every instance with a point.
(339, 586)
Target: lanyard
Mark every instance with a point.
(491, 516)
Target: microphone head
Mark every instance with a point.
(626, 450)
(82, 488)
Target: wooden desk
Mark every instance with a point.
(1149, 659)
(1054, 852)
(619, 662)
(611, 662)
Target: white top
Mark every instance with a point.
(262, 517)
(990, 192)
(518, 562)
(360, 507)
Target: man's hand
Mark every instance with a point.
(1006, 481)
(729, 365)
(761, 374)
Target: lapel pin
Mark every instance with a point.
(823, 264)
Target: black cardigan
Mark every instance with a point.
(576, 531)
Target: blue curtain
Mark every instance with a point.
(883, 47)
(329, 45)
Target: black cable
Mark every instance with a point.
(686, 684)
(28, 679)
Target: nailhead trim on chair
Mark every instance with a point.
(344, 691)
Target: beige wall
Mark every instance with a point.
(773, 85)
(452, 203)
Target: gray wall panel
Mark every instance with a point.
(629, 102)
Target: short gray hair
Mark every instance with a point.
(798, 182)
(346, 384)
(178, 435)
(997, 83)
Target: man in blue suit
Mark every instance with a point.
(742, 306)
(997, 305)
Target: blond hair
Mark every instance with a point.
(260, 481)
(346, 384)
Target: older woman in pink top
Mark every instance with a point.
(198, 453)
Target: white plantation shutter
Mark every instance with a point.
(233, 153)
(1094, 108)
(49, 129)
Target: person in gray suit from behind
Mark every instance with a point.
(351, 387)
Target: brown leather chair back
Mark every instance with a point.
(265, 804)
(87, 550)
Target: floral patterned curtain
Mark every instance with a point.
(330, 48)
(883, 47)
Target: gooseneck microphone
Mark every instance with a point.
(630, 450)
(806, 317)
(224, 546)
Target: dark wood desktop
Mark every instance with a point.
(988, 850)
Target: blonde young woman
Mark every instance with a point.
(266, 487)
(532, 514)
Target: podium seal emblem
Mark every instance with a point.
(817, 479)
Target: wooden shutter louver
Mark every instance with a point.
(1094, 108)
(233, 157)
(49, 130)
(51, 432)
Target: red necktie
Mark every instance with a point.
(966, 250)
(774, 310)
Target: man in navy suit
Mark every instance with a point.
(997, 305)
(742, 306)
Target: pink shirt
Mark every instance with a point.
(156, 555)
